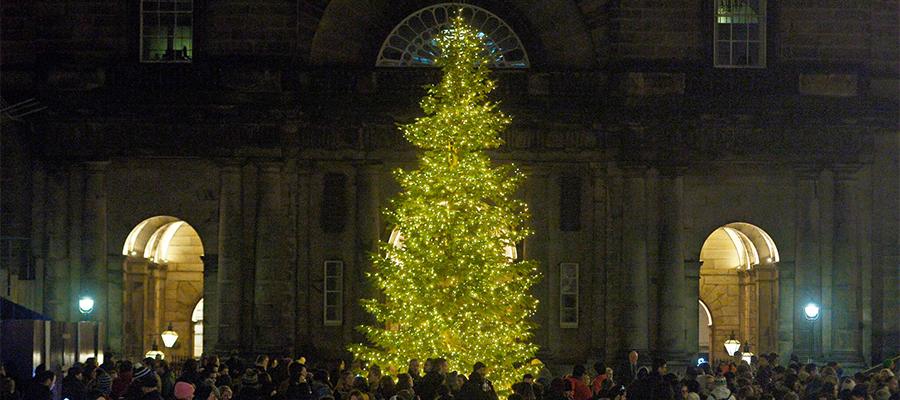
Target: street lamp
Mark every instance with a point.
(732, 345)
(747, 355)
(155, 353)
(811, 310)
(169, 336)
(85, 305)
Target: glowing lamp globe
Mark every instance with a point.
(812, 311)
(155, 353)
(169, 336)
(732, 345)
(86, 305)
(747, 355)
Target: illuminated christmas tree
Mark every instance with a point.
(450, 285)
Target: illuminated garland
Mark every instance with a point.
(449, 291)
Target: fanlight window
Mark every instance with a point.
(740, 34)
(411, 43)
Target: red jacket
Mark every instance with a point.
(580, 390)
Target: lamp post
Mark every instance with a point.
(811, 310)
(732, 345)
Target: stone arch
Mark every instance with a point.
(738, 281)
(163, 281)
(351, 33)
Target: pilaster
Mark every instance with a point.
(633, 294)
(230, 283)
(210, 302)
(94, 245)
(671, 339)
(786, 308)
(273, 301)
(846, 284)
(692, 307)
(767, 292)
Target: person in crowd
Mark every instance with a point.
(8, 389)
(225, 393)
(73, 387)
(597, 382)
(166, 379)
(721, 391)
(184, 391)
(627, 372)
(38, 388)
(413, 369)
(427, 387)
(580, 390)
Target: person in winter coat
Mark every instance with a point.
(720, 390)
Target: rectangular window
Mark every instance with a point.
(334, 293)
(570, 203)
(167, 30)
(740, 34)
(333, 203)
(568, 295)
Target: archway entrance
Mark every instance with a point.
(163, 285)
(739, 289)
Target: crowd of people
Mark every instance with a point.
(283, 378)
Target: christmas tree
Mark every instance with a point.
(450, 286)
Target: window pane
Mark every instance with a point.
(739, 31)
(754, 54)
(740, 53)
(331, 283)
(332, 298)
(330, 269)
(753, 33)
(331, 313)
(723, 53)
(167, 5)
(185, 5)
(569, 316)
(723, 31)
(568, 301)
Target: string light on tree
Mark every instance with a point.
(451, 290)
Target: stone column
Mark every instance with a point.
(599, 232)
(767, 293)
(230, 285)
(210, 301)
(671, 340)
(367, 224)
(846, 343)
(633, 294)
(691, 297)
(115, 297)
(807, 283)
(58, 293)
(94, 247)
(273, 312)
(304, 302)
(786, 309)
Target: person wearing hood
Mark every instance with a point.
(39, 386)
(720, 391)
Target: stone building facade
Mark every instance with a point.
(248, 169)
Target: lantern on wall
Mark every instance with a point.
(169, 336)
(732, 345)
(85, 305)
(747, 355)
(154, 353)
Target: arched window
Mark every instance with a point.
(411, 43)
(197, 319)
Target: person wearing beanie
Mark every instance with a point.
(184, 391)
(104, 386)
(720, 390)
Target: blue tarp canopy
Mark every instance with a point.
(11, 310)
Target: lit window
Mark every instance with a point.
(740, 33)
(411, 43)
(568, 295)
(334, 283)
(167, 30)
(197, 319)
